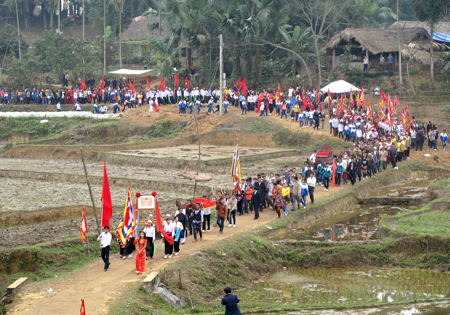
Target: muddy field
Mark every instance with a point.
(190, 152)
(21, 194)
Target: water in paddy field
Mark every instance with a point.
(319, 287)
(440, 308)
(415, 187)
(362, 226)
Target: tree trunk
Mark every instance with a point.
(51, 20)
(409, 78)
(44, 17)
(431, 56)
(400, 47)
(319, 67)
(256, 63)
(189, 59)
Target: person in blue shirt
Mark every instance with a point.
(231, 302)
(115, 107)
(225, 106)
(326, 176)
(390, 62)
(199, 105)
(210, 106)
(319, 173)
(96, 109)
(244, 106)
(180, 106)
(444, 138)
(190, 107)
(339, 171)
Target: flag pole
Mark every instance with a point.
(90, 191)
(89, 247)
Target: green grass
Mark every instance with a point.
(41, 108)
(430, 223)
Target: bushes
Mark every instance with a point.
(165, 128)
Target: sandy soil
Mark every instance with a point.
(99, 288)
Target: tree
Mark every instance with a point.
(321, 16)
(430, 11)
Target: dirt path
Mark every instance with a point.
(99, 288)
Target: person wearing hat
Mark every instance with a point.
(210, 106)
(169, 228)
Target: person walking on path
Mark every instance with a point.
(231, 302)
(221, 214)
(140, 256)
(105, 243)
(150, 235)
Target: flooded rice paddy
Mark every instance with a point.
(439, 308)
(362, 226)
(412, 188)
(319, 287)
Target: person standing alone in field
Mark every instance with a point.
(231, 302)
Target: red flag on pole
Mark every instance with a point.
(159, 228)
(334, 171)
(187, 83)
(163, 85)
(83, 84)
(83, 227)
(148, 82)
(239, 84)
(106, 200)
(279, 88)
(82, 309)
(102, 85)
(132, 88)
(177, 81)
(244, 87)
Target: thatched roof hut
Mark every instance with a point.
(441, 27)
(140, 29)
(376, 42)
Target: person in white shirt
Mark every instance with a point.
(77, 107)
(311, 186)
(149, 231)
(58, 106)
(105, 243)
(312, 158)
(168, 226)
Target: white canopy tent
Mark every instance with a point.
(339, 86)
(129, 72)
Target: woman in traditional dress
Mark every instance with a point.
(140, 255)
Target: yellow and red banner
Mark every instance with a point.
(83, 227)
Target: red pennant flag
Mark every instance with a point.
(83, 84)
(82, 309)
(305, 104)
(244, 87)
(187, 83)
(279, 87)
(132, 88)
(334, 171)
(83, 227)
(177, 81)
(156, 107)
(102, 85)
(148, 82)
(159, 228)
(163, 85)
(239, 84)
(106, 200)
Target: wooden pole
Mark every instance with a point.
(221, 76)
(89, 247)
(198, 138)
(195, 187)
(90, 191)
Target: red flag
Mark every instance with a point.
(163, 86)
(132, 88)
(83, 84)
(106, 200)
(244, 87)
(279, 88)
(239, 84)
(187, 83)
(148, 82)
(159, 228)
(156, 107)
(305, 103)
(334, 171)
(83, 227)
(102, 85)
(177, 81)
(82, 309)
